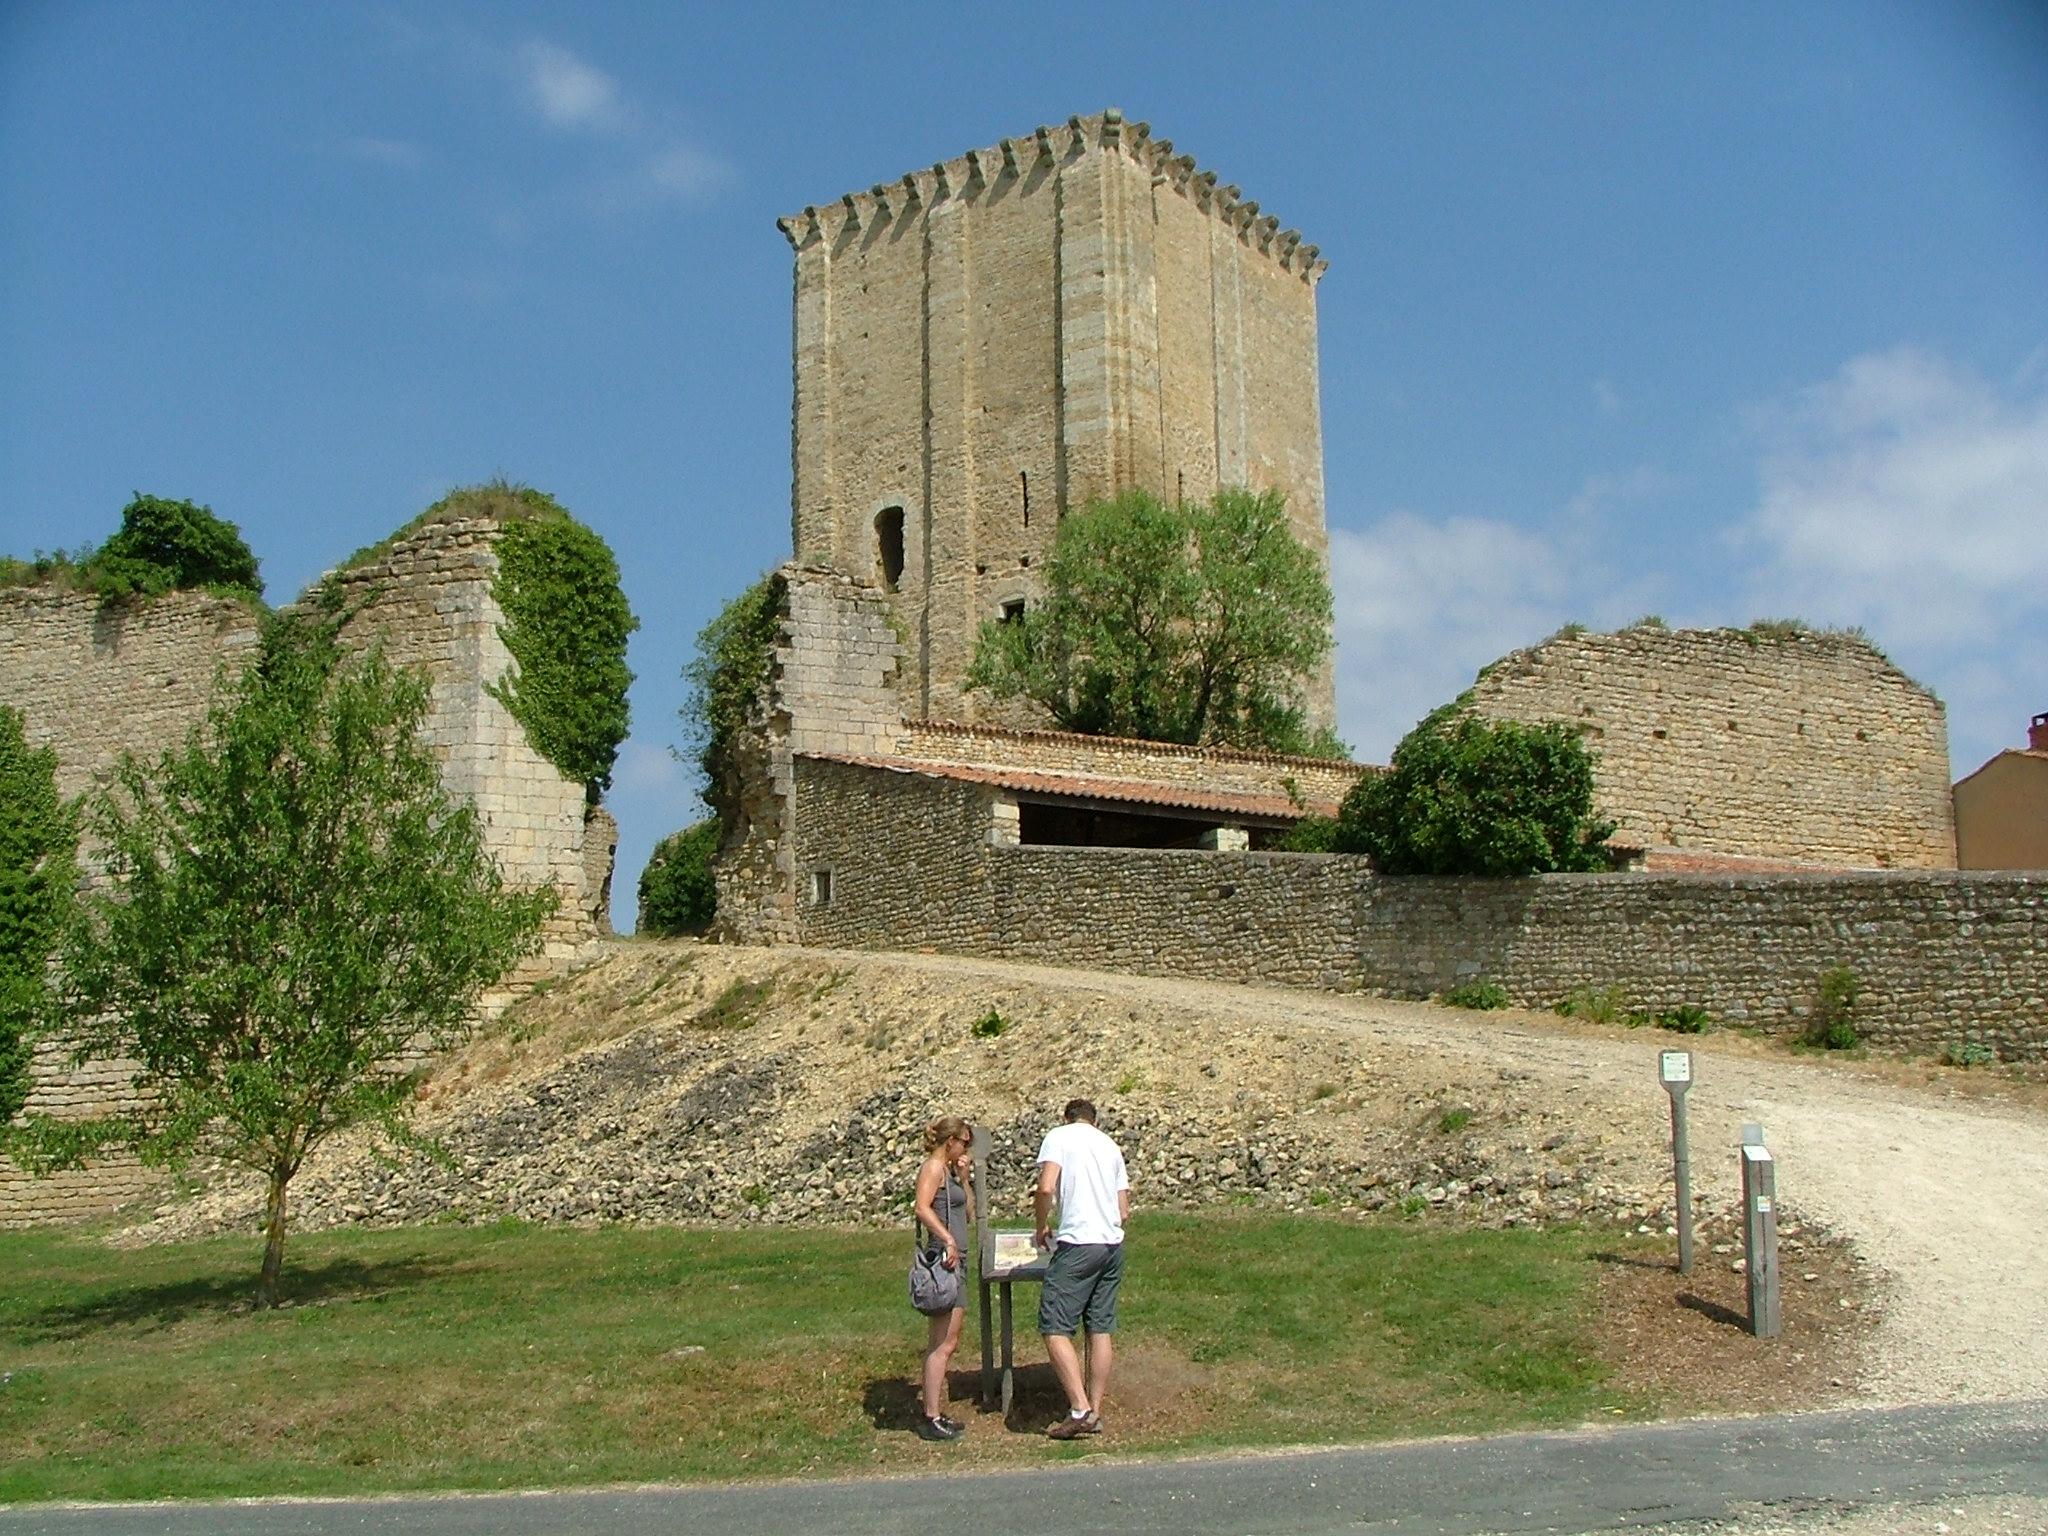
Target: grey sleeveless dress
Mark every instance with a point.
(950, 1202)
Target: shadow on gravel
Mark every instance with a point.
(1713, 1311)
(146, 1307)
(1635, 1261)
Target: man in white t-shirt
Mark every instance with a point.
(1082, 1171)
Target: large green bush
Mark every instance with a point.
(735, 656)
(166, 545)
(38, 845)
(677, 892)
(1467, 796)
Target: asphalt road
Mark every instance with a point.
(1588, 1480)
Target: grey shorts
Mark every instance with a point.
(1080, 1287)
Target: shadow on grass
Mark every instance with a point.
(893, 1402)
(337, 1281)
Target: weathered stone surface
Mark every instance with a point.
(1807, 746)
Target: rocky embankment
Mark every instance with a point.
(676, 1081)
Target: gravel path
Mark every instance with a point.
(1947, 1197)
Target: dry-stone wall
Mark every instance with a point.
(915, 863)
(94, 682)
(1804, 746)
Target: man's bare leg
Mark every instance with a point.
(1066, 1364)
(1101, 1354)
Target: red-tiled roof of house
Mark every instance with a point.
(1079, 786)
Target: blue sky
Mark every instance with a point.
(1717, 313)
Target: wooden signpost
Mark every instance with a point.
(1007, 1255)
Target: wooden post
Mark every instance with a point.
(1674, 1068)
(1760, 1235)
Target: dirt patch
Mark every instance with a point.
(1683, 1341)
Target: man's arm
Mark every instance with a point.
(1042, 1200)
(1123, 1204)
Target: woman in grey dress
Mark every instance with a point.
(943, 1207)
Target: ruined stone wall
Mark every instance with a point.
(832, 688)
(1807, 747)
(1943, 957)
(427, 600)
(94, 682)
(1021, 330)
(1317, 782)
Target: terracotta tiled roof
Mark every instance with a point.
(1078, 786)
(1131, 743)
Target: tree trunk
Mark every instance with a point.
(273, 1240)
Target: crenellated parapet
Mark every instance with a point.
(1038, 153)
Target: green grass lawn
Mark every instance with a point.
(509, 1356)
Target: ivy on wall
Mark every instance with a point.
(735, 654)
(38, 848)
(566, 623)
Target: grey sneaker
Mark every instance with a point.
(938, 1429)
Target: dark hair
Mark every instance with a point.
(1080, 1109)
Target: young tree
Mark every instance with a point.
(297, 910)
(1467, 796)
(38, 841)
(1193, 623)
(164, 544)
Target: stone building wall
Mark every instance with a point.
(94, 682)
(1942, 956)
(1809, 747)
(1015, 332)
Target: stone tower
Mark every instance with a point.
(984, 345)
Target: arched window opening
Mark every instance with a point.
(889, 545)
(1012, 610)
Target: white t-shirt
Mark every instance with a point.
(1091, 1173)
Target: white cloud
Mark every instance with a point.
(1607, 397)
(569, 92)
(647, 768)
(1422, 605)
(1910, 496)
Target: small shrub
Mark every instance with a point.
(755, 1196)
(1832, 1025)
(738, 1006)
(166, 545)
(1686, 1019)
(1477, 993)
(1454, 1120)
(1129, 1081)
(1967, 1053)
(1414, 1205)
(1323, 1091)
(677, 891)
(1311, 834)
(1602, 1005)
(1320, 1197)
(988, 1026)
(1778, 629)
(1650, 621)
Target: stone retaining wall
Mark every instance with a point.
(1943, 957)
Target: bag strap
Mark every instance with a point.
(917, 1228)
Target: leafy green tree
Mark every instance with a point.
(38, 874)
(1193, 623)
(168, 545)
(677, 892)
(1468, 796)
(298, 910)
(735, 655)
